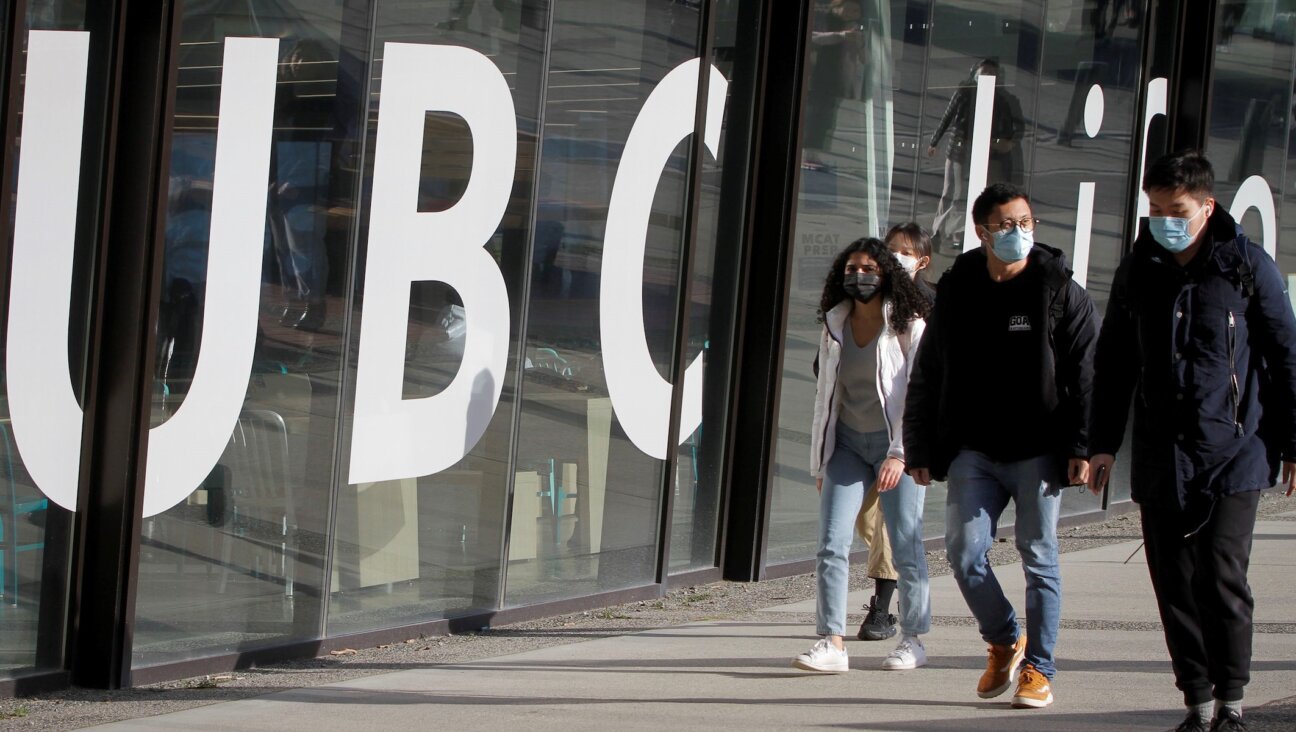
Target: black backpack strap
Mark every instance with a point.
(1267, 428)
(1246, 275)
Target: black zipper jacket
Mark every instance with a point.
(937, 418)
(1204, 351)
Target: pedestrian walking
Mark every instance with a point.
(911, 245)
(1199, 334)
(999, 403)
(873, 320)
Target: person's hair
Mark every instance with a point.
(1188, 170)
(996, 194)
(907, 301)
(919, 238)
(984, 62)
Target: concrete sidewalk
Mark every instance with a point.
(1113, 670)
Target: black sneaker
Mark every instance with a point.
(878, 625)
(1192, 723)
(1228, 721)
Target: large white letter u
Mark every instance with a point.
(47, 421)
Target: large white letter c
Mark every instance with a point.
(640, 396)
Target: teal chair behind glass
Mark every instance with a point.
(13, 508)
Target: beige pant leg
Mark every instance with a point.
(872, 529)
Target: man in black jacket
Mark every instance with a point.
(999, 401)
(1200, 328)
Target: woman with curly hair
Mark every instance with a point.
(872, 315)
(911, 245)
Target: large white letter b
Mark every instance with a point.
(396, 438)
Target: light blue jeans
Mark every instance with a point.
(850, 472)
(979, 490)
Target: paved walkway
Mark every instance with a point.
(1113, 671)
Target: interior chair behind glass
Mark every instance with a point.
(261, 501)
(15, 507)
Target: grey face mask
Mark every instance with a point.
(863, 287)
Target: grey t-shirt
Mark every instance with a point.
(861, 407)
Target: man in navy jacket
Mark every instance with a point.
(1200, 334)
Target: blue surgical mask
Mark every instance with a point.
(1013, 245)
(1172, 232)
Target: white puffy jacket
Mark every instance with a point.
(895, 358)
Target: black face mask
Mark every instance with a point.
(862, 287)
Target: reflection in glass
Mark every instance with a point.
(864, 177)
(1089, 83)
(1004, 163)
(240, 562)
(586, 501)
(696, 506)
(35, 533)
(419, 549)
(968, 41)
(1250, 136)
(848, 190)
(1251, 108)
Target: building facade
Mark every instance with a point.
(336, 321)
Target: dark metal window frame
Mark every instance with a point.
(142, 41)
(774, 179)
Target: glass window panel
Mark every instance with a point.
(888, 124)
(586, 501)
(1250, 130)
(35, 532)
(424, 548)
(863, 105)
(240, 562)
(1250, 135)
(1251, 110)
(968, 39)
(1090, 71)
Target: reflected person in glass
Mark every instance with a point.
(834, 41)
(873, 319)
(1006, 127)
(297, 214)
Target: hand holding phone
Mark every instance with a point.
(1100, 474)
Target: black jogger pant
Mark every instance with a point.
(1202, 592)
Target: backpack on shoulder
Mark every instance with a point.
(1267, 430)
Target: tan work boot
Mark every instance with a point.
(1001, 668)
(1033, 690)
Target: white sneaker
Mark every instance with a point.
(909, 654)
(823, 657)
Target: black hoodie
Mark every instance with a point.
(952, 389)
